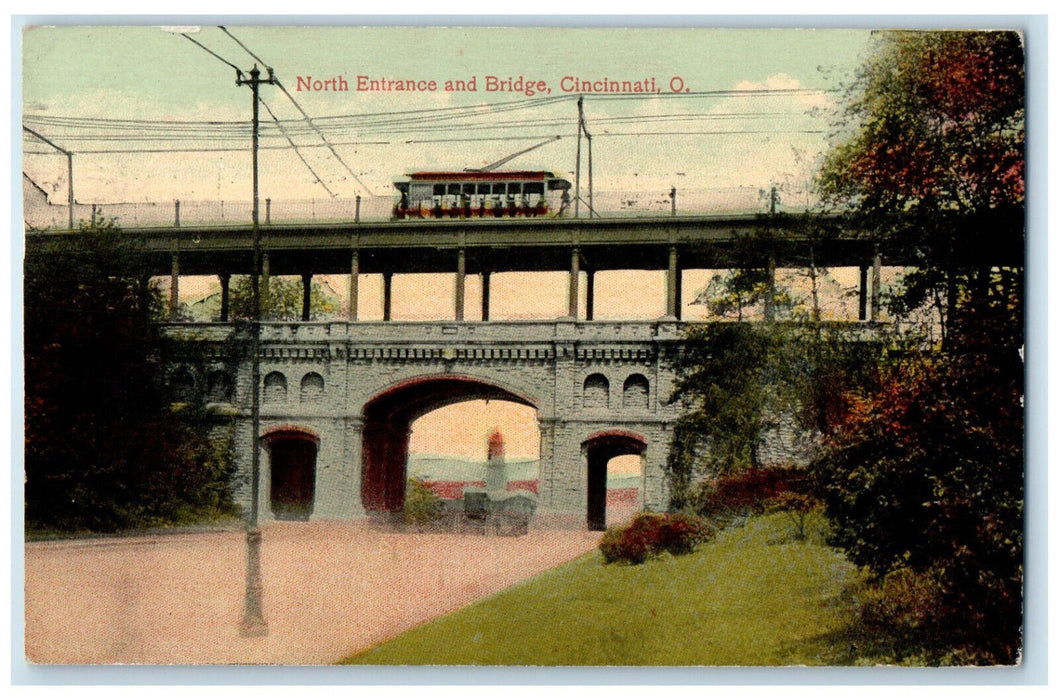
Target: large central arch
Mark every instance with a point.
(387, 420)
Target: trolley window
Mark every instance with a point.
(533, 188)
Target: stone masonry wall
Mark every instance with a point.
(584, 378)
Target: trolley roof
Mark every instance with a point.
(478, 176)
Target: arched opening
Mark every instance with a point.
(182, 385)
(275, 387)
(597, 392)
(601, 449)
(448, 449)
(292, 470)
(388, 420)
(636, 392)
(219, 387)
(312, 389)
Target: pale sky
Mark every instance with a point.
(734, 136)
(732, 131)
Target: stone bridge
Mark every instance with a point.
(338, 400)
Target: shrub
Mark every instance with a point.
(797, 507)
(650, 534)
(421, 505)
(905, 603)
(748, 492)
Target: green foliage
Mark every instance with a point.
(104, 450)
(421, 505)
(925, 471)
(934, 160)
(797, 507)
(936, 121)
(745, 493)
(736, 380)
(905, 605)
(283, 301)
(927, 474)
(651, 534)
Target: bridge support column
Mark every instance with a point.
(307, 294)
(876, 286)
(354, 284)
(461, 282)
(225, 295)
(590, 293)
(575, 274)
(263, 284)
(174, 288)
(144, 293)
(862, 294)
(673, 286)
(485, 295)
(387, 294)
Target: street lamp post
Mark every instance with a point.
(254, 624)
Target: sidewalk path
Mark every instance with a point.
(330, 589)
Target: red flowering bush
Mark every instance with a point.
(650, 534)
(748, 492)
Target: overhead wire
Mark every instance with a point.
(213, 53)
(296, 151)
(305, 114)
(288, 130)
(467, 118)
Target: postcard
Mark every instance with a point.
(524, 346)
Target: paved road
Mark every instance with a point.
(329, 589)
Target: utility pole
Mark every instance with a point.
(254, 624)
(582, 128)
(69, 171)
(577, 166)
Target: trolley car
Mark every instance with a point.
(476, 193)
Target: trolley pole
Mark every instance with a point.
(254, 624)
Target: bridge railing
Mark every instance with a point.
(469, 333)
(435, 331)
(40, 214)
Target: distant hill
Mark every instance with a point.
(433, 467)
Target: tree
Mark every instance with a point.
(740, 380)
(925, 472)
(284, 299)
(934, 159)
(104, 449)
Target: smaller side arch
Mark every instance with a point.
(636, 392)
(312, 387)
(596, 392)
(292, 471)
(599, 448)
(219, 387)
(275, 387)
(182, 385)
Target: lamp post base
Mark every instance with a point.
(253, 624)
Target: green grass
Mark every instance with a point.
(752, 596)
